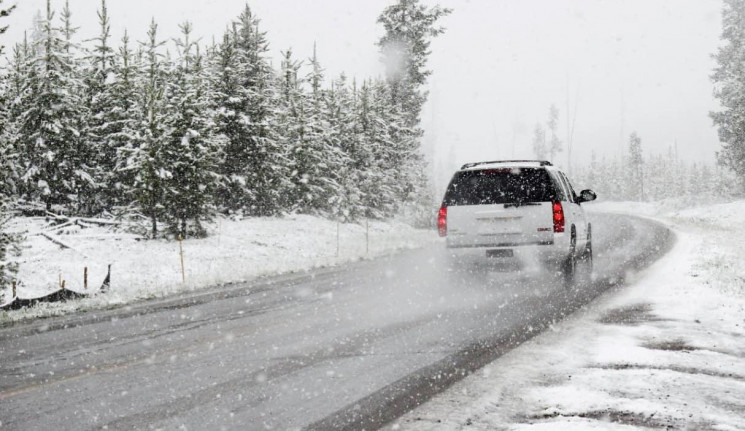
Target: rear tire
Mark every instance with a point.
(587, 255)
(586, 260)
(569, 266)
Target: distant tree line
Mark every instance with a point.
(636, 177)
(177, 131)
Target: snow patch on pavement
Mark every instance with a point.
(667, 352)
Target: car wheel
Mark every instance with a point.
(586, 262)
(569, 267)
(588, 249)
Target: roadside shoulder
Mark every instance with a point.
(666, 352)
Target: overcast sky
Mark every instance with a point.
(624, 66)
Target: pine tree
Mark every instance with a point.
(341, 145)
(49, 129)
(102, 122)
(232, 193)
(636, 162)
(379, 192)
(124, 132)
(539, 142)
(728, 77)
(253, 165)
(82, 154)
(192, 149)
(149, 158)
(394, 147)
(16, 89)
(300, 140)
(8, 241)
(409, 27)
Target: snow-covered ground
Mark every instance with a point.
(235, 251)
(668, 352)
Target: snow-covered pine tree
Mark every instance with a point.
(695, 181)
(8, 241)
(232, 193)
(729, 88)
(299, 141)
(378, 192)
(409, 27)
(102, 122)
(405, 168)
(539, 142)
(124, 132)
(83, 155)
(149, 158)
(310, 138)
(11, 85)
(253, 165)
(192, 148)
(49, 128)
(391, 147)
(341, 144)
(655, 177)
(267, 168)
(636, 172)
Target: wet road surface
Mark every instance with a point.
(340, 348)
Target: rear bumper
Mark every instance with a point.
(485, 244)
(555, 250)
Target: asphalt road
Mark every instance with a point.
(344, 348)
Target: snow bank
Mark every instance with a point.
(665, 353)
(235, 251)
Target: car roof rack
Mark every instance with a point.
(540, 162)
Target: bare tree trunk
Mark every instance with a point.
(154, 222)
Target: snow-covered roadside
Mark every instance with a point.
(235, 251)
(667, 352)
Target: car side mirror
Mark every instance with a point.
(587, 196)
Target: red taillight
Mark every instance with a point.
(558, 217)
(442, 221)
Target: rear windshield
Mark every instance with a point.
(499, 186)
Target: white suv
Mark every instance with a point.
(517, 209)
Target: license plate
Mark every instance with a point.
(500, 252)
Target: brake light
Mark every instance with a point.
(558, 217)
(442, 221)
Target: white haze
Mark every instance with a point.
(635, 65)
